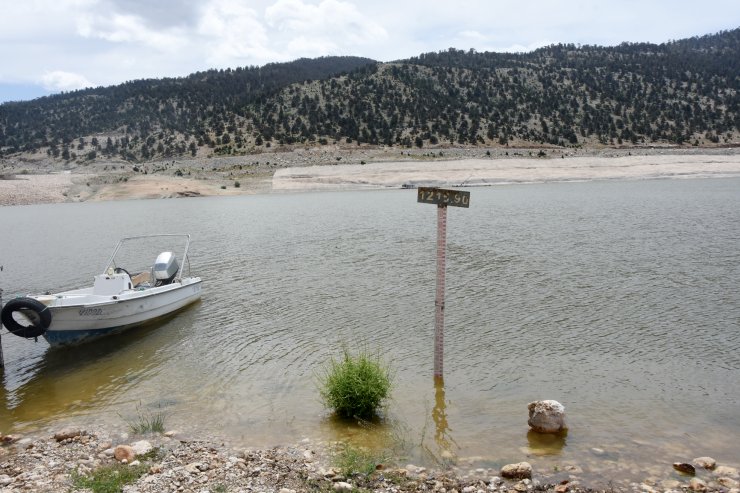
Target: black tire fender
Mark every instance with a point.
(36, 312)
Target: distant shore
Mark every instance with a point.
(36, 181)
(482, 172)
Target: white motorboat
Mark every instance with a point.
(116, 301)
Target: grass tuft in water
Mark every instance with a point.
(355, 386)
(147, 421)
(353, 461)
(108, 479)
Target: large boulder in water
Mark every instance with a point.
(546, 416)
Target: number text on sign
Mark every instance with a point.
(440, 196)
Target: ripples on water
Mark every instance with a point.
(619, 299)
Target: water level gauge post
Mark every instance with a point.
(441, 198)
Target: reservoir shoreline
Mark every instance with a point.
(171, 461)
(24, 182)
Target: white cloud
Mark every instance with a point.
(233, 33)
(125, 28)
(303, 46)
(111, 41)
(59, 80)
(481, 42)
(331, 24)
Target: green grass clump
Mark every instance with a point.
(157, 453)
(109, 479)
(355, 386)
(147, 422)
(352, 461)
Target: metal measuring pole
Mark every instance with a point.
(439, 300)
(442, 198)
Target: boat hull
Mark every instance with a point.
(73, 322)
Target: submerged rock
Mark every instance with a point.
(697, 484)
(67, 433)
(520, 470)
(670, 484)
(705, 462)
(728, 482)
(546, 416)
(685, 468)
(726, 471)
(7, 439)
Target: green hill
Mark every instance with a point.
(680, 92)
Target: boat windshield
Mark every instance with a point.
(140, 254)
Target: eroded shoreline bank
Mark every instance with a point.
(34, 182)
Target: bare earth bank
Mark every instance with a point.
(478, 172)
(27, 181)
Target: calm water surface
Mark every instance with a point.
(618, 299)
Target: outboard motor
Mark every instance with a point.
(165, 268)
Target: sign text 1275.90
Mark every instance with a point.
(440, 196)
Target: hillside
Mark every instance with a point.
(680, 92)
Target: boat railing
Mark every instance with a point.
(185, 257)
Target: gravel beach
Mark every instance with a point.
(64, 460)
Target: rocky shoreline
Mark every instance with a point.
(66, 461)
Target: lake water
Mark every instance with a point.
(618, 299)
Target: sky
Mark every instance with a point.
(51, 46)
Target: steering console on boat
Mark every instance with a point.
(111, 285)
